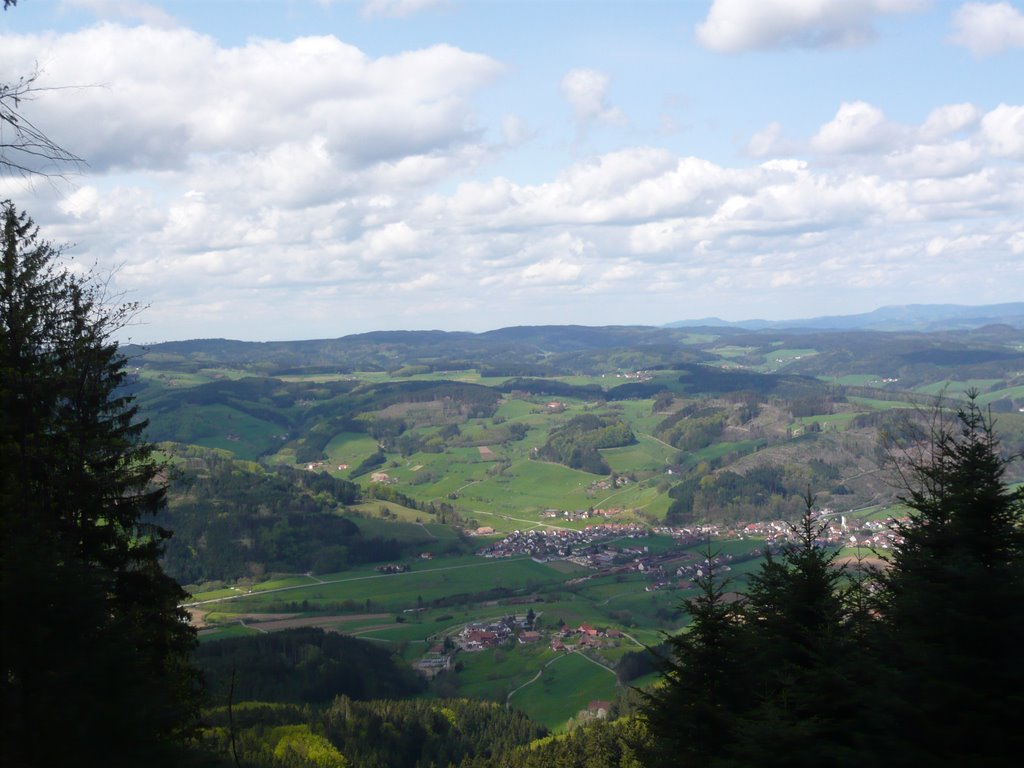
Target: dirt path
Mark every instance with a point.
(426, 530)
(652, 437)
(257, 593)
(332, 623)
(532, 523)
(624, 634)
(535, 678)
(310, 621)
(868, 561)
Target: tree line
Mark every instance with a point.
(914, 663)
(96, 653)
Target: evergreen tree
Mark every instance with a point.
(952, 603)
(801, 659)
(691, 716)
(96, 652)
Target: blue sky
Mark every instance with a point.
(275, 170)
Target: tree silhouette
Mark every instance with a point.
(96, 652)
(952, 601)
(692, 715)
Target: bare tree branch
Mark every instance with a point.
(24, 149)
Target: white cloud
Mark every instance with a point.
(785, 279)
(732, 26)
(988, 28)
(157, 98)
(392, 239)
(555, 271)
(766, 142)
(1016, 243)
(398, 9)
(857, 127)
(949, 119)
(81, 203)
(945, 246)
(586, 90)
(514, 130)
(936, 160)
(1003, 130)
(307, 188)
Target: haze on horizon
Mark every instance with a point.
(265, 170)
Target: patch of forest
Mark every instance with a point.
(576, 443)
(232, 519)
(761, 493)
(303, 666)
(368, 734)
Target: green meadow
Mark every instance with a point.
(567, 685)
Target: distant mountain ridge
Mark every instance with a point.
(909, 317)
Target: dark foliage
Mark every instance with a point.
(598, 744)
(96, 653)
(303, 666)
(952, 603)
(767, 492)
(370, 463)
(369, 734)
(552, 388)
(284, 520)
(576, 443)
(918, 664)
(692, 715)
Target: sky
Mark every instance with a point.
(280, 170)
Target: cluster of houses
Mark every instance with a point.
(876, 534)
(873, 534)
(583, 514)
(609, 484)
(392, 568)
(633, 376)
(480, 636)
(584, 636)
(547, 544)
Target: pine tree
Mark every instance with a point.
(952, 603)
(801, 659)
(691, 716)
(96, 652)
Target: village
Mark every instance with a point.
(549, 544)
(600, 549)
(515, 630)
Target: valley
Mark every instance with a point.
(578, 475)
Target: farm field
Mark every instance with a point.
(568, 682)
(385, 608)
(416, 609)
(709, 428)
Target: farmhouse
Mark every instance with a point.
(432, 665)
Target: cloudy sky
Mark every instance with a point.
(289, 169)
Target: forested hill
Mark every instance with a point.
(912, 317)
(566, 350)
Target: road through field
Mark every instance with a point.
(535, 678)
(532, 523)
(319, 582)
